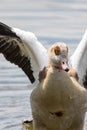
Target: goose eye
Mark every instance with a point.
(57, 50)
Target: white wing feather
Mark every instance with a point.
(79, 60)
(34, 49)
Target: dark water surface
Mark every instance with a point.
(51, 21)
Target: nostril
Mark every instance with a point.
(67, 69)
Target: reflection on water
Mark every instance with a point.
(51, 21)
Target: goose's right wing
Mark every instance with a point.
(23, 49)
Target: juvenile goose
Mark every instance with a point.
(58, 102)
(20, 47)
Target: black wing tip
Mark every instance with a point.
(32, 79)
(7, 30)
(4, 25)
(85, 80)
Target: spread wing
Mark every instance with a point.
(23, 49)
(79, 61)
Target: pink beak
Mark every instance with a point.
(65, 66)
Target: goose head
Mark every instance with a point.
(58, 56)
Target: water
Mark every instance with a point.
(51, 21)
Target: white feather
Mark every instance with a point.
(79, 59)
(34, 49)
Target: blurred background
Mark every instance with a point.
(51, 21)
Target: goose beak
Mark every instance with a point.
(65, 66)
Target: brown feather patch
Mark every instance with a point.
(42, 74)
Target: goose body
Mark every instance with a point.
(58, 98)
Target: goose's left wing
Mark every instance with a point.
(23, 49)
(79, 61)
